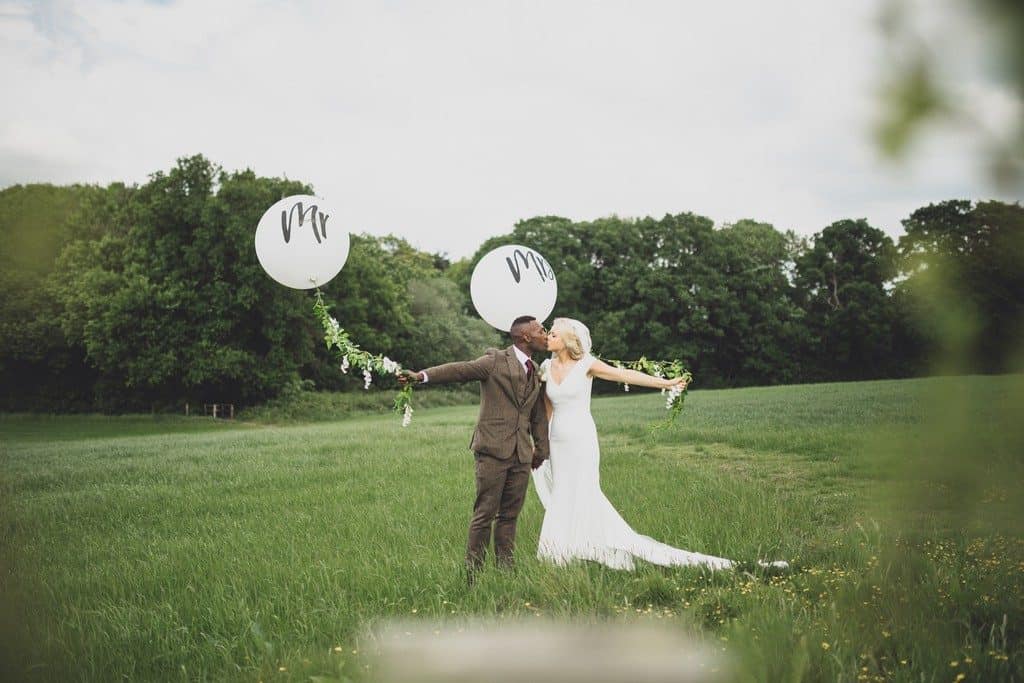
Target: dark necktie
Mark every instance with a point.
(529, 369)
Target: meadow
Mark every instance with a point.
(172, 548)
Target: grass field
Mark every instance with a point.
(163, 548)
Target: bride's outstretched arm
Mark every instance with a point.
(636, 378)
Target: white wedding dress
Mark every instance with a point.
(579, 522)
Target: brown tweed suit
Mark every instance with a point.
(511, 412)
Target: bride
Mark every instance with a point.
(579, 521)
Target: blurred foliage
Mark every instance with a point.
(950, 548)
(941, 584)
(964, 266)
(38, 368)
(938, 57)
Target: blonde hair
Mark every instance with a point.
(572, 342)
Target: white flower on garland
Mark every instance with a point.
(333, 331)
(625, 387)
(673, 394)
(352, 356)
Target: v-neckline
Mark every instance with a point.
(558, 384)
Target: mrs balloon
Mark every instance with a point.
(511, 281)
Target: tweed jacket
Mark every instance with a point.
(512, 420)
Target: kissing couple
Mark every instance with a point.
(545, 426)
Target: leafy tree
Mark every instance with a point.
(157, 297)
(161, 299)
(841, 283)
(755, 310)
(173, 303)
(672, 288)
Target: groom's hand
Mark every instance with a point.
(538, 460)
(408, 376)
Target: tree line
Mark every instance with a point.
(131, 297)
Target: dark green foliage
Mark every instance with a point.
(39, 368)
(129, 297)
(849, 316)
(171, 304)
(147, 297)
(751, 309)
(721, 300)
(968, 257)
(441, 330)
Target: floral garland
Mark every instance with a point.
(661, 369)
(354, 357)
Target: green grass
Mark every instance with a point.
(165, 548)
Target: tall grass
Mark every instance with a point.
(160, 549)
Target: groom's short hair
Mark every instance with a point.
(518, 323)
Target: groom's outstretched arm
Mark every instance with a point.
(462, 371)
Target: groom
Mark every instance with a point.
(511, 412)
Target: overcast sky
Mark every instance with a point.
(446, 122)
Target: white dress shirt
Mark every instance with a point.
(521, 356)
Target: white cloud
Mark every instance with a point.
(447, 122)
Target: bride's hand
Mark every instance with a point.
(678, 381)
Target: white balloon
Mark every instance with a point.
(298, 244)
(511, 281)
